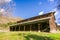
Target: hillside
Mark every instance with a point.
(5, 20)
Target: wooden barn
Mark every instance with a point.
(40, 23)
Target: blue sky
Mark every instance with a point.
(29, 8)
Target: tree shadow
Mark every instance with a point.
(36, 37)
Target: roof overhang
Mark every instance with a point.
(32, 21)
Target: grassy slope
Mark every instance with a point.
(29, 36)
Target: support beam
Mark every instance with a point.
(15, 29)
(11, 29)
(30, 27)
(38, 27)
(24, 28)
(19, 27)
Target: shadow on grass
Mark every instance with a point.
(36, 37)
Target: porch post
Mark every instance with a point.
(15, 28)
(52, 24)
(12, 28)
(24, 28)
(30, 27)
(19, 27)
(38, 27)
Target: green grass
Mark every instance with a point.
(29, 36)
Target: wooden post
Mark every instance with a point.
(38, 27)
(30, 27)
(15, 28)
(24, 28)
(11, 29)
(19, 27)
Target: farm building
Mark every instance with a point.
(40, 23)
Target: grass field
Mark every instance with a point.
(29, 36)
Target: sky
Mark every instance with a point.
(29, 8)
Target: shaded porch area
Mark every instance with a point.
(38, 26)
